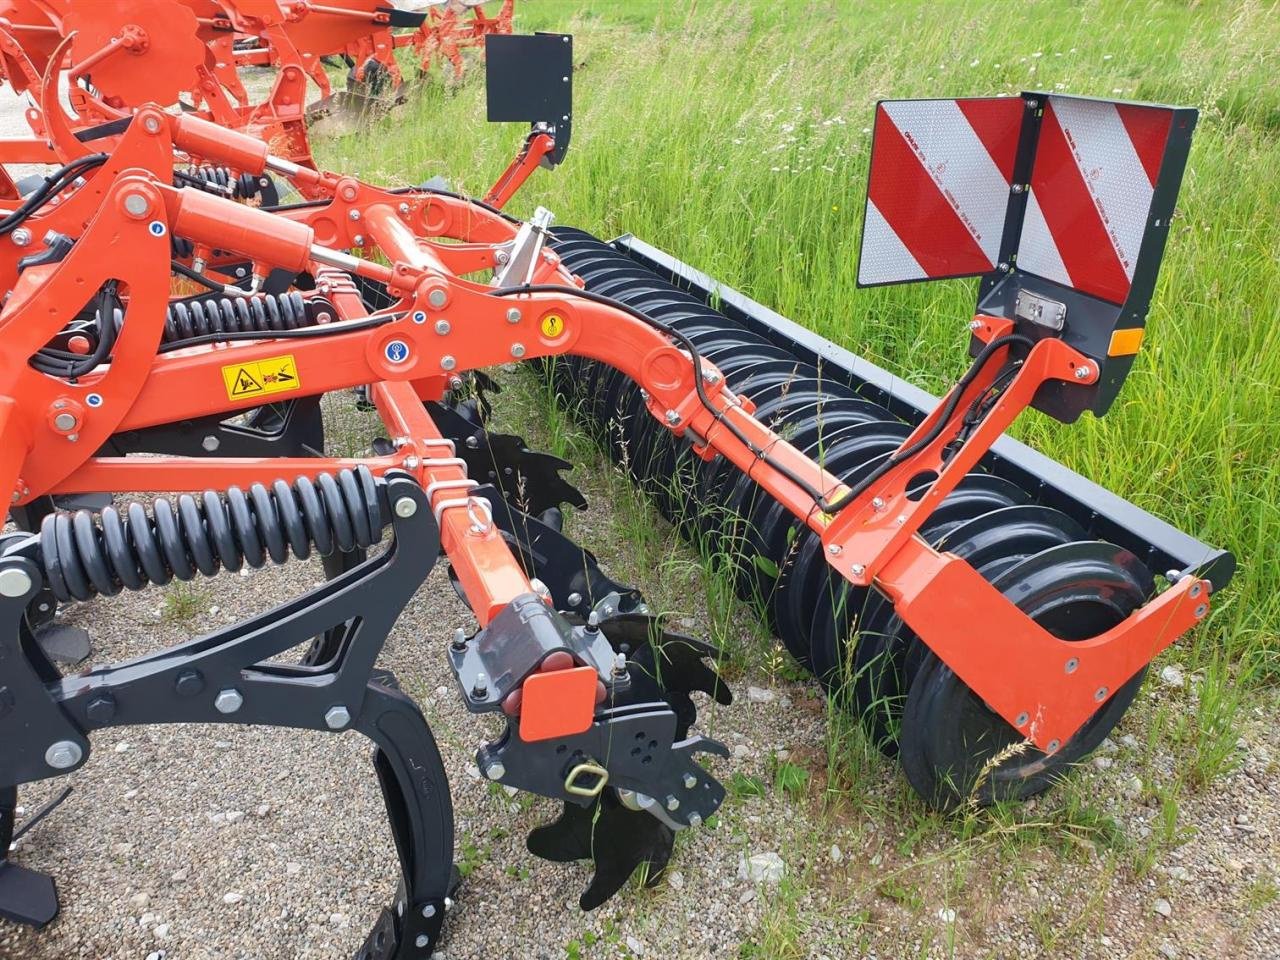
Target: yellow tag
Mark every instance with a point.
(273, 375)
(552, 325)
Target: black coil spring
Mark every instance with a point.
(86, 553)
(206, 315)
(221, 181)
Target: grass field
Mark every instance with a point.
(736, 137)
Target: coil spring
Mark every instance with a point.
(203, 316)
(222, 181)
(86, 553)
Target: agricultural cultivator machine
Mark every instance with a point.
(193, 55)
(988, 613)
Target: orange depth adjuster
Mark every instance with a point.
(557, 703)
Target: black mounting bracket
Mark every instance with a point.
(530, 79)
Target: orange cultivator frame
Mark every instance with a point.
(50, 429)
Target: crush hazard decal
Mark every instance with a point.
(260, 377)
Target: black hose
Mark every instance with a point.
(818, 497)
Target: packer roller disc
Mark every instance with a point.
(1075, 591)
(888, 653)
(839, 602)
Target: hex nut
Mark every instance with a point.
(337, 718)
(228, 700)
(63, 755)
(189, 683)
(101, 709)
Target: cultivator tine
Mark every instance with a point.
(619, 841)
(530, 480)
(25, 896)
(230, 675)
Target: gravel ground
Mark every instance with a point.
(226, 842)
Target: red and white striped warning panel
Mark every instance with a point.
(1094, 175)
(938, 188)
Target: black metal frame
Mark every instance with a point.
(1101, 512)
(191, 683)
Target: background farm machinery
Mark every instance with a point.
(196, 54)
(987, 613)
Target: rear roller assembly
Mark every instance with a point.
(850, 637)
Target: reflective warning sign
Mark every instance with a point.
(261, 377)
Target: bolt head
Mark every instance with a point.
(443, 327)
(429, 911)
(228, 700)
(14, 583)
(437, 297)
(354, 215)
(337, 718)
(210, 443)
(21, 237)
(447, 362)
(63, 755)
(673, 804)
(1101, 694)
(695, 819)
(513, 315)
(517, 349)
(188, 683)
(422, 941)
(1053, 745)
(672, 417)
(690, 781)
(857, 569)
(834, 549)
(404, 209)
(406, 507)
(1021, 719)
(1083, 372)
(358, 239)
(101, 708)
(878, 503)
(495, 770)
(1071, 665)
(574, 599)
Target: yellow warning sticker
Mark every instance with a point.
(552, 325)
(273, 375)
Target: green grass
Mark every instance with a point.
(735, 136)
